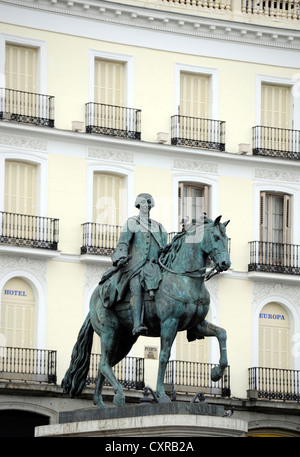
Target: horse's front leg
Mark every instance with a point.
(167, 336)
(208, 329)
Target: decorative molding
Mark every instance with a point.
(268, 174)
(24, 142)
(196, 165)
(263, 290)
(111, 155)
(37, 268)
(222, 27)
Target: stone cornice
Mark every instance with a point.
(219, 28)
(14, 135)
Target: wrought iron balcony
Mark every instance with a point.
(99, 238)
(194, 377)
(25, 364)
(26, 107)
(274, 257)
(129, 372)
(113, 120)
(198, 132)
(274, 384)
(203, 4)
(23, 230)
(275, 142)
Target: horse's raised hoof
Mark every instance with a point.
(163, 398)
(216, 373)
(119, 399)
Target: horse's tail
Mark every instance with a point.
(75, 378)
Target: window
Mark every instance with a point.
(196, 123)
(20, 187)
(275, 212)
(109, 197)
(21, 68)
(194, 95)
(109, 82)
(17, 313)
(192, 202)
(110, 109)
(274, 337)
(276, 106)
(191, 351)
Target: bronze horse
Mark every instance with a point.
(181, 303)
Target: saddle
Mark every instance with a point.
(114, 288)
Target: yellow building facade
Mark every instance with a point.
(198, 105)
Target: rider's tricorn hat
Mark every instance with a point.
(144, 196)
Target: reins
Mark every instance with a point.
(192, 274)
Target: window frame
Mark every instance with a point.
(213, 91)
(41, 178)
(128, 61)
(125, 172)
(286, 216)
(189, 185)
(294, 106)
(190, 177)
(277, 187)
(41, 47)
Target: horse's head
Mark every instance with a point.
(215, 243)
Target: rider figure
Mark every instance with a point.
(140, 242)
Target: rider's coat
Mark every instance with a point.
(141, 239)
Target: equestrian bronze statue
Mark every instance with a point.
(155, 289)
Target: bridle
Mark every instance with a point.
(200, 273)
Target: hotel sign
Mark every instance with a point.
(18, 293)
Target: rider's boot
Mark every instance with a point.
(136, 305)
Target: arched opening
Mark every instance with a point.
(18, 423)
(274, 337)
(17, 313)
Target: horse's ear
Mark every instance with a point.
(226, 223)
(217, 220)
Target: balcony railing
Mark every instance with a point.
(282, 9)
(102, 239)
(26, 107)
(129, 372)
(195, 376)
(113, 120)
(274, 384)
(198, 132)
(203, 4)
(274, 257)
(23, 364)
(99, 238)
(28, 231)
(275, 142)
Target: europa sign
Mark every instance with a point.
(279, 317)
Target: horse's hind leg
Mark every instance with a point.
(113, 349)
(98, 401)
(109, 343)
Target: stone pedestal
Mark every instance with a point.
(155, 420)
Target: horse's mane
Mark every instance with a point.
(170, 251)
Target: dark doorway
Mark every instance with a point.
(16, 423)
